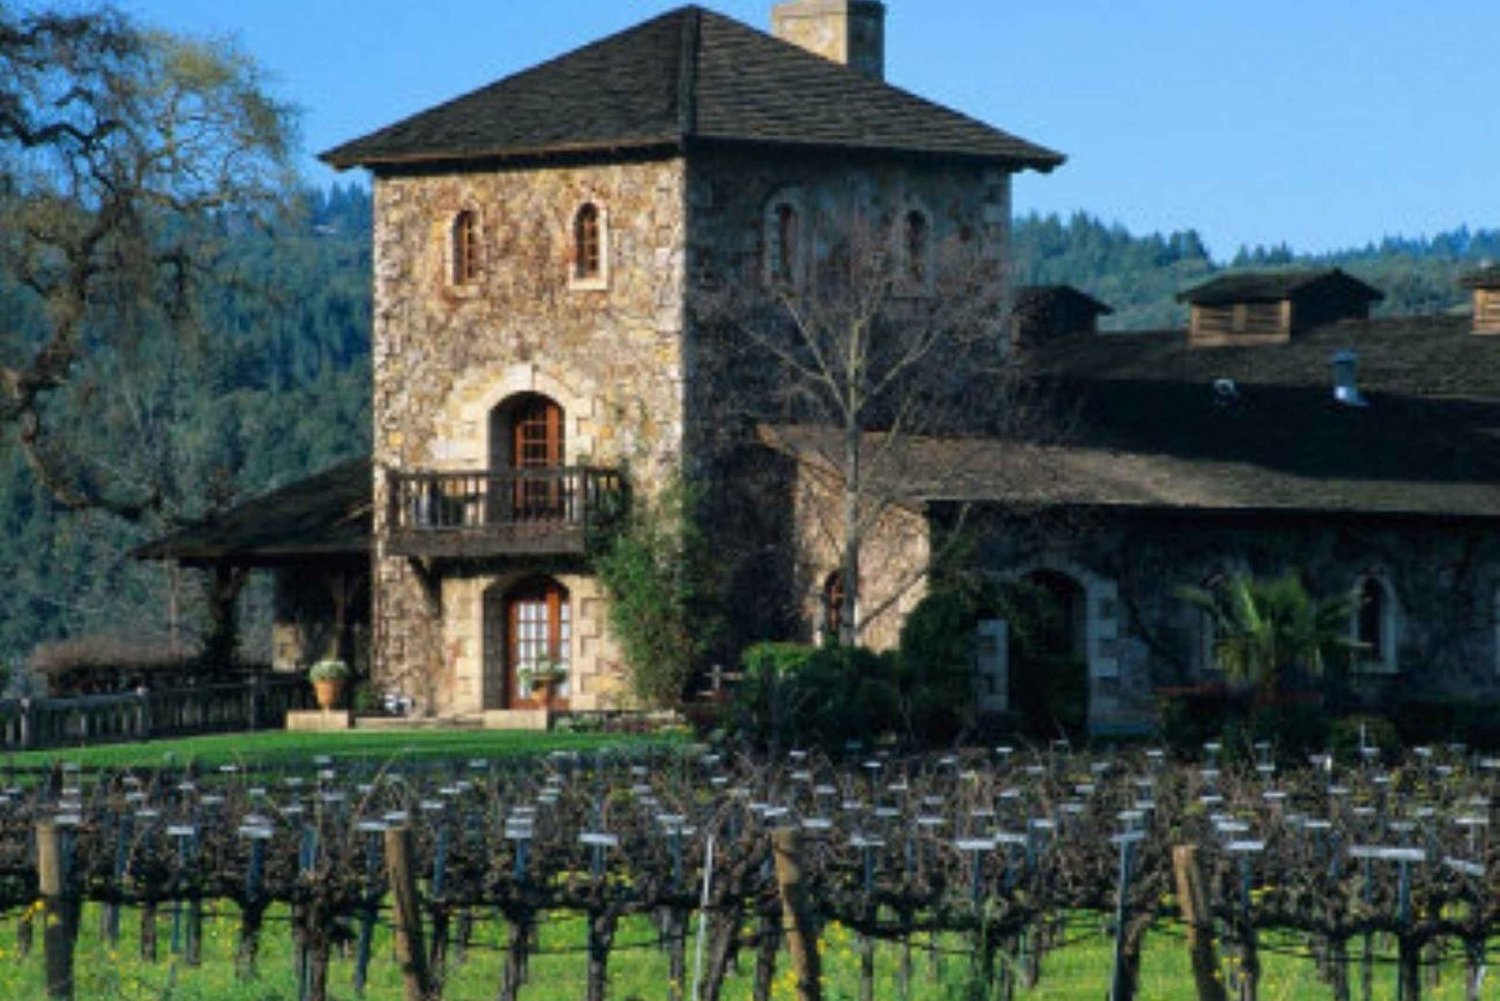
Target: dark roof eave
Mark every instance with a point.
(1044, 161)
(1224, 510)
(211, 556)
(340, 161)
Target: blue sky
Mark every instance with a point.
(1322, 123)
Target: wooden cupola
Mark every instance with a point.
(1272, 307)
(1044, 312)
(1485, 284)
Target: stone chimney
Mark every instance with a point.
(851, 32)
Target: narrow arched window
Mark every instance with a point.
(588, 255)
(917, 243)
(1374, 625)
(833, 605)
(465, 248)
(788, 226)
(1372, 616)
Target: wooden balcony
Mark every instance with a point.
(512, 512)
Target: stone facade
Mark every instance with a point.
(606, 350)
(729, 193)
(640, 384)
(1442, 581)
(895, 557)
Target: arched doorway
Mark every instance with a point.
(527, 436)
(1049, 686)
(527, 628)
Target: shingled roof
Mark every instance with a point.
(325, 515)
(687, 76)
(1271, 286)
(1270, 430)
(1030, 296)
(1149, 430)
(1486, 278)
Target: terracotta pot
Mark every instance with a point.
(329, 692)
(547, 686)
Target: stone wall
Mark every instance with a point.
(894, 561)
(608, 351)
(1445, 580)
(728, 196)
(641, 383)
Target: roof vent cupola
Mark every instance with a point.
(851, 32)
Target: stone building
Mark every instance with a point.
(539, 247)
(549, 252)
(1360, 455)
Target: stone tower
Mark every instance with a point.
(851, 32)
(542, 246)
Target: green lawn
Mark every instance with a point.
(638, 969)
(277, 748)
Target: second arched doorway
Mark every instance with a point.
(528, 440)
(528, 633)
(1049, 680)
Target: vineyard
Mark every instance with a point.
(988, 863)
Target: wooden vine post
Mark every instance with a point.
(59, 909)
(801, 934)
(1192, 898)
(408, 914)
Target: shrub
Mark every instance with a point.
(102, 662)
(1443, 721)
(935, 676)
(662, 596)
(1378, 732)
(1191, 717)
(806, 696)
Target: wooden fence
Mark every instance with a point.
(258, 702)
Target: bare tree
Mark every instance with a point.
(888, 360)
(125, 157)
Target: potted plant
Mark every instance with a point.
(329, 678)
(544, 675)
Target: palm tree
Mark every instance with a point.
(1265, 628)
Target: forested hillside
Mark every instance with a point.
(277, 385)
(1139, 275)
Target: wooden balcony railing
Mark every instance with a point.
(503, 512)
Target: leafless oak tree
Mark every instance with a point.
(124, 154)
(891, 364)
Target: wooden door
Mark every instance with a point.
(538, 628)
(537, 444)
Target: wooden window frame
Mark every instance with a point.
(589, 260)
(465, 256)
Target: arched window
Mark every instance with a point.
(588, 244)
(1374, 625)
(917, 240)
(1205, 641)
(465, 247)
(833, 605)
(788, 226)
(784, 235)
